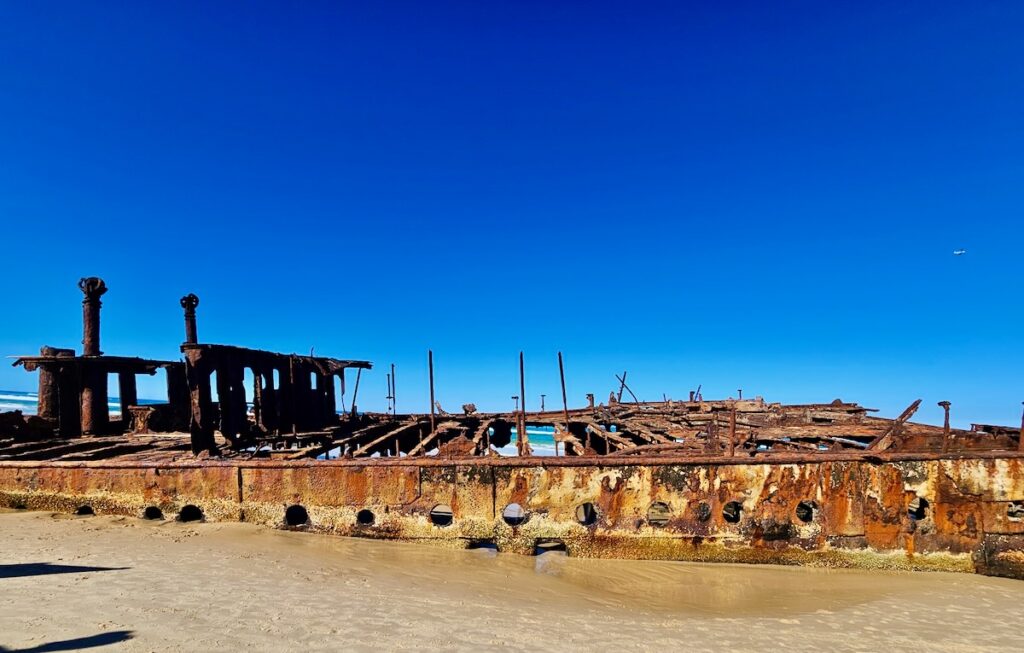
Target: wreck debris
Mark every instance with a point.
(945, 427)
(355, 391)
(430, 365)
(818, 483)
(73, 389)
(623, 385)
(392, 400)
(732, 431)
(565, 402)
(522, 438)
(291, 394)
(886, 439)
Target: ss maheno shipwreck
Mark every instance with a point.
(736, 480)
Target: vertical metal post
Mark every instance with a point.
(394, 393)
(565, 401)
(197, 379)
(1020, 444)
(521, 429)
(48, 403)
(430, 365)
(355, 390)
(945, 427)
(94, 417)
(69, 405)
(257, 397)
(93, 288)
(127, 392)
(47, 400)
(189, 303)
(344, 386)
(542, 403)
(732, 431)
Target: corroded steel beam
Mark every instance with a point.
(888, 438)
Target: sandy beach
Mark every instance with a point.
(121, 584)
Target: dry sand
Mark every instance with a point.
(120, 584)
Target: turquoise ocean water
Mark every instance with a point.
(541, 438)
(26, 402)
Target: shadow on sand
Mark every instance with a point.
(77, 644)
(45, 568)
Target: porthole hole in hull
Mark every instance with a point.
(732, 512)
(365, 517)
(586, 514)
(485, 545)
(513, 514)
(190, 513)
(441, 515)
(806, 511)
(549, 545)
(1015, 511)
(296, 515)
(918, 508)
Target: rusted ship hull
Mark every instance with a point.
(863, 513)
(734, 480)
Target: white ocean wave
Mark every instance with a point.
(4, 406)
(17, 396)
(27, 402)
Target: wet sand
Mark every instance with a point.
(121, 584)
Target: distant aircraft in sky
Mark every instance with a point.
(959, 252)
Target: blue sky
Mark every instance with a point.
(755, 195)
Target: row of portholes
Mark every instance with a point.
(658, 514)
(188, 513)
